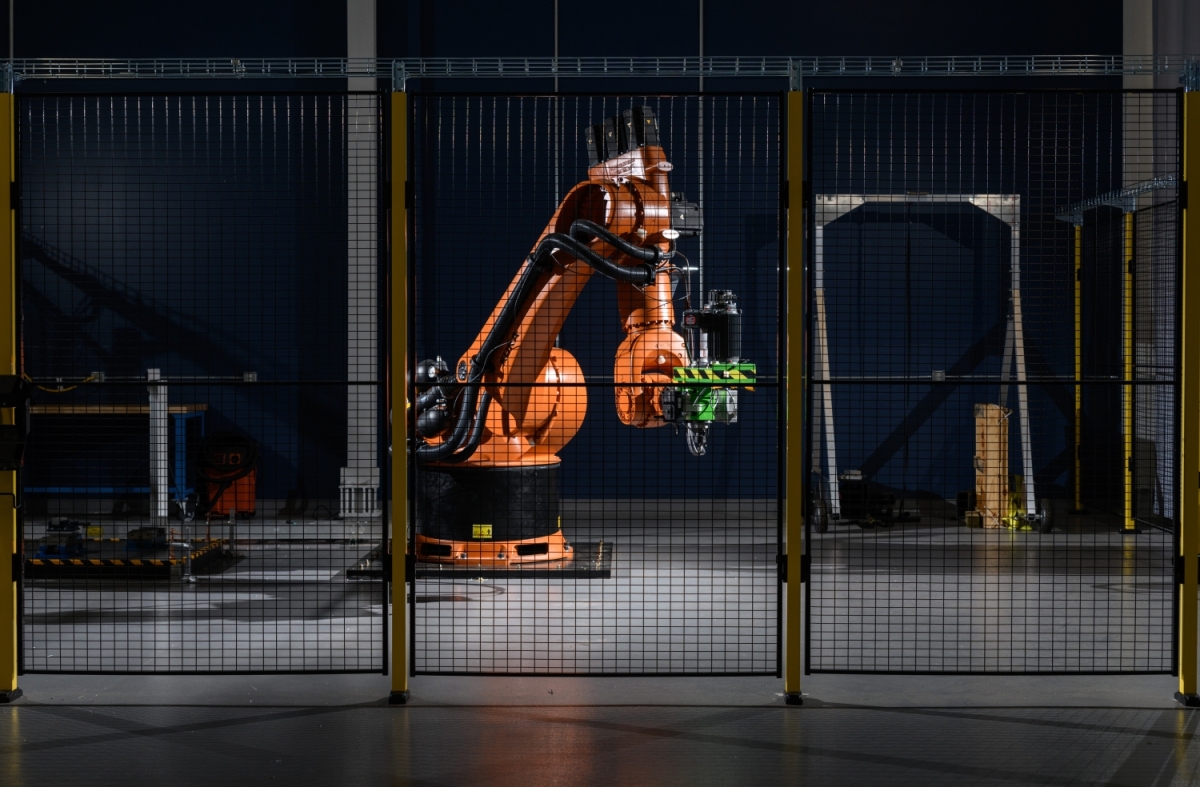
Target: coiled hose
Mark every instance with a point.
(469, 427)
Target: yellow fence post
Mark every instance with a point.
(1078, 480)
(1189, 397)
(9, 657)
(1127, 390)
(794, 388)
(398, 388)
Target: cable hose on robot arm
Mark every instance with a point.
(586, 231)
(476, 433)
(466, 417)
(639, 275)
(500, 328)
(583, 231)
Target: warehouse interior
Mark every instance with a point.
(783, 395)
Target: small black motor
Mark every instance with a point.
(686, 219)
(721, 322)
(434, 390)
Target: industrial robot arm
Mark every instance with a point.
(514, 398)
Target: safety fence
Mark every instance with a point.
(199, 303)
(561, 325)
(597, 277)
(993, 329)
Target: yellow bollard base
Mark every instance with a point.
(398, 698)
(793, 699)
(9, 696)
(1188, 700)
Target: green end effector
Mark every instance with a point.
(707, 394)
(707, 391)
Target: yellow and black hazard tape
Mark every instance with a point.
(50, 561)
(694, 374)
(124, 562)
(205, 550)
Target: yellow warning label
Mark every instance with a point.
(687, 374)
(481, 531)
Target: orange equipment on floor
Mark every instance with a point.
(489, 430)
(228, 468)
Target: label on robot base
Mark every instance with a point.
(481, 531)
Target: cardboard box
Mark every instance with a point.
(991, 463)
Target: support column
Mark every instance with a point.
(793, 495)
(1189, 395)
(398, 390)
(358, 487)
(160, 476)
(9, 353)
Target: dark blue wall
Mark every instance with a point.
(308, 237)
(203, 236)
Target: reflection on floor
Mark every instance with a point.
(278, 600)
(529, 732)
(935, 596)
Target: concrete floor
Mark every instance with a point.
(936, 596)
(861, 730)
(681, 598)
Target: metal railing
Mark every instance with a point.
(399, 70)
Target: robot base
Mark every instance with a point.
(489, 517)
(494, 554)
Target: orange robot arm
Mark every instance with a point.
(518, 399)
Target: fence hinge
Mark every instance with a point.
(17, 567)
(1180, 563)
(781, 563)
(1183, 190)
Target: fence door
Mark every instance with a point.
(993, 381)
(596, 486)
(200, 322)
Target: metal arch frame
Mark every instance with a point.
(1004, 207)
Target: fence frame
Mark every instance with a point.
(792, 563)
(10, 639)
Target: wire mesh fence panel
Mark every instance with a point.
(199, 321)
(992, 336)
(596, 387)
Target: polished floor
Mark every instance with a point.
(689, 598)
(853, 730)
